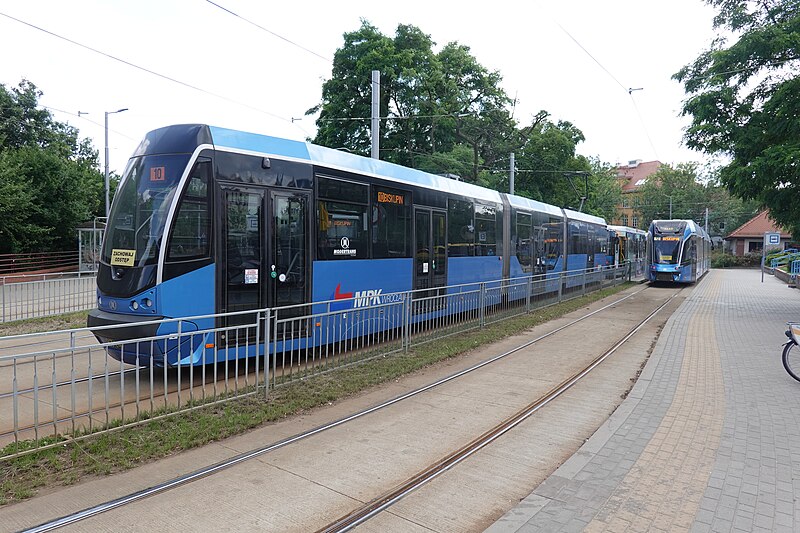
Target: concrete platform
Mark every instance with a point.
(708, 439)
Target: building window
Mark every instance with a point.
(635, 222)
(624, 220)
(625, 203)
(755, 246)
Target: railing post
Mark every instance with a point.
(258, 345)
(482, 305)
(560, 285)
(583, 282)
(406, 332)
(529, 294)
(267, 339)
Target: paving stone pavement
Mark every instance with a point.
(708, 440)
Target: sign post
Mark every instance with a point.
(770, 239)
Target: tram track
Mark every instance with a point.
(385, 501)
(449, 460)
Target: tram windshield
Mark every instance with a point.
(666, 249)
(141, 205)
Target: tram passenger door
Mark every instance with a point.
(242, 254)
(288, 267)
(430, 251)
(539, 254)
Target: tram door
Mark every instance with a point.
(242, 257)
(540, 255)
(288, 265)
(264, 253)
(430, 250)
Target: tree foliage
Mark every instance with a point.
(676, 192)
(445, 113)
(49, 178)
(744, 100)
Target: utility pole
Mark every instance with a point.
(706, 228)
(511, 175)
(108, 203)
(670, 207)
(376, 113)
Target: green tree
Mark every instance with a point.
(448, 115)
(49, 178)
(434, 104)
(679, 193)
(744, 100)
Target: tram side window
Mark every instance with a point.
(342, 214)
(391, 223)
(191, 228)
(524, 241)
(485, 230)
(554, 242)
(460, 228)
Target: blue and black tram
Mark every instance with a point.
(209, 221)
(678, 251)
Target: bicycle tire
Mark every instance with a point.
(791, 364)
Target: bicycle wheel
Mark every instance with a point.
(791, 361)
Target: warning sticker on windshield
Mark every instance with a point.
(125, 258)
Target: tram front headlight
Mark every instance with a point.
(134, 305)
(147, 302)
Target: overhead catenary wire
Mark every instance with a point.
(628, 90)
(320, 56)
(80, 116)
(144, 69)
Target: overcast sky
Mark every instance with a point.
(575, 59)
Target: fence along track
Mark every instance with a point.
(24, 296)
(342, 337)
(205, 472)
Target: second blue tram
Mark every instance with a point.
(678, 251)
(211, 221)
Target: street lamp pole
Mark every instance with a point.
(108, 205)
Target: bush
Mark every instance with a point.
(725, 260)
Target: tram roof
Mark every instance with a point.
(584, 217)
(626, 229)
(320, 155)
(534, 205)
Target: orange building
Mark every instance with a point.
(631, 177)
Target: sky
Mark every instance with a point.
(189, 61)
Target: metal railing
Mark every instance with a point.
(24, 296)
(59, 386)
(37, 261)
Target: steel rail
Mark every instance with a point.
(246, 456)
(383, 502)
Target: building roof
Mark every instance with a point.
(757, 227)
(635, 173)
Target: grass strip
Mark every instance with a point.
(109, 453)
